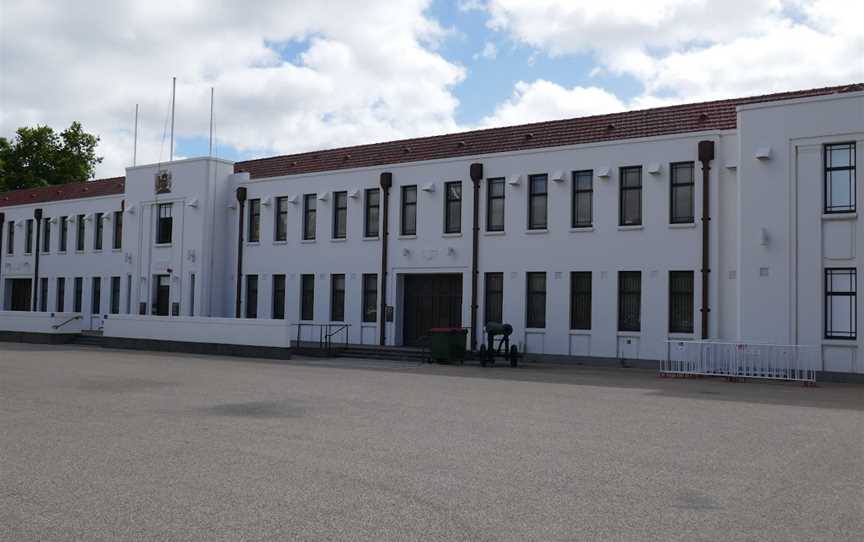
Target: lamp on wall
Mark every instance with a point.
(514, 180)
(430, 187)
(354, 194)
(654, 168)
(763, 153)
(293, 199)
(192, 203)
(558, 176)
(603, 172)
(266, 201)
(323, 196)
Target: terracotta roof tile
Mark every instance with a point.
(88, 189)
(716, 115)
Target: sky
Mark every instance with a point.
(297, 75)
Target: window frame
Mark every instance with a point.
(114, 296)
(576, 192)
(452, 213)
(675, 185)
(96, 295)
(164, 224)
(60, 295)
(684, 299)
(853, 184)
(253, 224)
(280, 219)
(490, 198)
(251, 284)
(307, 305)
(28, 236)
(117, 229)
(829, 293)
(369, 298)
(46, 235)
(63, 241)
(310, 217)
(78, 295)
(404, 205)
(340, 214)
(530, 322)
(622, 190)
(43, 294)
(337, 297)
(580, 298)
(98, 231)
(623, 325)
(533, 225)
(277, 309)
(493, 297)
(367, 212)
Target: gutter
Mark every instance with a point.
(706, 154)
(476, 171)
(386, 184)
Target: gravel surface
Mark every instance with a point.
(117, 445)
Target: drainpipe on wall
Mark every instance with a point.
(476, 171)
(386, 183)
(37, 216)
(2, 236)
(706, 154)
(241, 205)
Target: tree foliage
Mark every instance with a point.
(40, 157)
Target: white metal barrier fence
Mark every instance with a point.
(741, 360)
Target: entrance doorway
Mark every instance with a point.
(433, 300)
(161, 297)
(19, 298)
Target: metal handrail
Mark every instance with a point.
(76, 317)
(325, 332)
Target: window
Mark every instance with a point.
(46, 235)
(118, 230)
(580, 300)
(340, 215)
(97, 234)
(681, 196)
(254, 220)
(115, 295)
(409, 210)
(28, 236)
(453, 207)
(309, 217)
(536, 300)
(10, 238)
(680, 301)
(493, 298)
(251, 296)
(43, 294)
(128, 294)
(337, 297)
(537, 201)
(495, 205)
(164, 223)
(60, 305)
(79, 233)
(192, 294)
(64, 233)
(840, 178)
(630, 211)
(370, 297)
(281, 221)
(307, 297)
(96, 296)
(278, 297)
(583, 194)
(371, 212)
(629, 301)
(841, 303)
(77, 300)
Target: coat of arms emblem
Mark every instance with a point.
(163, 182)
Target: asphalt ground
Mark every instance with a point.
(100, 444)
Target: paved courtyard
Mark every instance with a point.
(118, 445)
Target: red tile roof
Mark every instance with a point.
(88, 189)
(716, 115)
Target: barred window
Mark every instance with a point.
(840, 190)
(337, 297)
(580, 300)
(493, 298)
(409, 210)
(251, 296)
(281, 222)
(99, 229)
(583, 194)
(278, 311)
(630, 211)
(453, 207)
(680, 301)
(681, 193)
(340, 215)
(536, 300)
(495, 205)
(372, 212)
(841, 303)
(537, 202)
(629, 300)
(370, 297)
(254, 220)
(309, 216)
(307, 297)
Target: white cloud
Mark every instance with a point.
(543, 100)
(489, 52)
(363, 72)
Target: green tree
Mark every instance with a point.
(41, 157)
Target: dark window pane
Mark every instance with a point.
(583, 194)
(580, 300)
(278, 297)
(453, 207)
(630, 213)
(96, 297)
(629, 301)
(681, 301)
(537, 202)
(536, 300)
(340, 215)
(337, 298)
(281, 211)
(99, 227)
(251, 296)
(371, 219)
(494, 298)
(681, 186)
(254, 220)
(309, 216)
(307, 297)
(841, 303)
(409, 210)
(115, 295)
(165, 223)
(495, 205)
(370, 297)
(118, 230)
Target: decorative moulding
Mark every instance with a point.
(763, 153)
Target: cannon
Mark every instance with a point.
(490, 350)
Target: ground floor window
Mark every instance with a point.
(115, 295)
(580, 300)
(629, 300)
(337, 297)
(251, 296)
(79, 294)
(279, 297)
(494, 298)
(680, 301)
(841, 303)
(536, 300)
(370, 297)
(307, 297)
(43, 294)
(96, 300)
(61, 294)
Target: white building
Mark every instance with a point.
(591, 237)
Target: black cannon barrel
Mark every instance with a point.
(494, 328)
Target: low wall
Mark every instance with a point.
(247, 332)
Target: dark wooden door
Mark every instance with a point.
(431, 301)
(161, 295)
(21, 291)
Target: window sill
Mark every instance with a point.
(840, 216)
(630, 334)
(339, 240)
(582, 229)
(253, 243)
(451, 235)
(537, 232)
(79, 252)
(535, 330)
(307, 241)
(683, 226)
(848, 343)
(583, 332)
(631, 228)
(162, 245)
(495, 232)
(371, 239)
(407, 237)
(116, 250)
(681, 336)
(285, 242)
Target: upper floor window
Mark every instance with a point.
(254, 220)
(340, 215)
(453, 207)
(118, 230)
(164, 223)
(28, 236)
(46, 235)
(309, 216)
(537, 202)
(583, 194)
(409, 210)
(681, 193)
(79, 234)
(630, 211)
(371, 212)
(495, 205)
(10, 238)
(841, 303)
(281, 212)
(98, 231)
(840, 178)
(64, 233)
